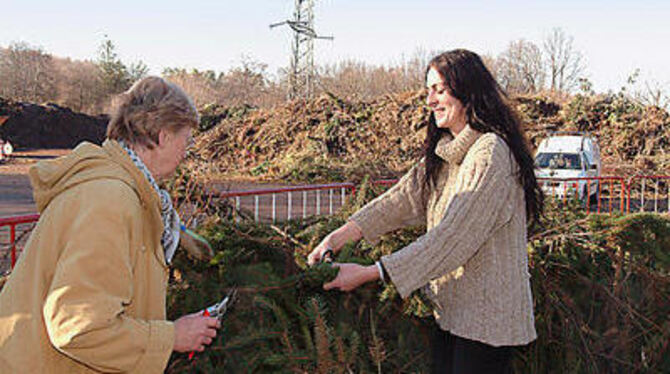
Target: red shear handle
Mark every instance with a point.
(190, 355)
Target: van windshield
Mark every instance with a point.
(568, 161)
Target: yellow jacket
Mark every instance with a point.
(88, 292)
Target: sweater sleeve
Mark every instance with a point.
(483, 187)
(85, 308)
(401, 206)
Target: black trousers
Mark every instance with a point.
(455, 355)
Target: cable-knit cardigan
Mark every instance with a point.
(473, 261)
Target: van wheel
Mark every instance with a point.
(588, 199)
(593, 199)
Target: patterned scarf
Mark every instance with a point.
(171, 222)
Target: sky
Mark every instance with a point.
(615, 37)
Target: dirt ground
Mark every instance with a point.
(16, 196)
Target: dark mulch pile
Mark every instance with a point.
(48, 126)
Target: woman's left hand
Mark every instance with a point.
(196, 245)
(351, 276)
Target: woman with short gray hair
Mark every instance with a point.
(88, 292)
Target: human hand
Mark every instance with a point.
(196, 245)
(351, 276)
(317, 254)
(334, 241)
(193, 332)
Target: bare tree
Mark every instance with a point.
(78, 85)
(247, 84)
(358, 80)
(346, 79)
(26, 73)
(200, 85)
(653, 94)
(492, 63)
(244, 84)
(520, 68)
(565, 64)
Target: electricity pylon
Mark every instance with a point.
(301, 74)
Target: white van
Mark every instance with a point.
(6, 150)
(568, 155)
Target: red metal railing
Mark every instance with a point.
(608, 190)
(602, 188)
(288, 191)
(12, 223)
(386, 182)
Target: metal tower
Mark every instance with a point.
(301, 75)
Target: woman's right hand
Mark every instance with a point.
(193, 332)
(317, 254)
(334, 241)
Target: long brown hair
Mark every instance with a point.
(487, 110)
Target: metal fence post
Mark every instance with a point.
(656, 198)
(237, 209)
(598, 196)
(642, 196)
(330, 201)
(611, 195)
(12, 239)
(623, 196)
(256, 208)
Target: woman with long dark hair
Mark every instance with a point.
(475, 189)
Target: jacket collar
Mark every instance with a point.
(452, 149)
(147, 194)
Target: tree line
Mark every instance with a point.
(31, 74)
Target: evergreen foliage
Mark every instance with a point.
(602, 295)
(115, 76)
(601, 286)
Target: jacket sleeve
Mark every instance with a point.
(484, 183)
(85, 308)
(401, 206)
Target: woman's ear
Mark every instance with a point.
(163, 137)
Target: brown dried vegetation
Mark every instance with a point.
(331, 139)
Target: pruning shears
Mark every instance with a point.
(327, 256)
(218, 310)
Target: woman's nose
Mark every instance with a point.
(430, 99)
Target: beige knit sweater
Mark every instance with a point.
(472, 261)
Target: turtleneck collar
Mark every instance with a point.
(452, 149)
